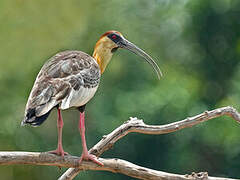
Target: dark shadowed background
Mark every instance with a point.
(196, 44)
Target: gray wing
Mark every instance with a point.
(61, 74)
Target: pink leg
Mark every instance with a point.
(59, 151)
(85, 155)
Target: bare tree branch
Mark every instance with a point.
(112, 165)
(136, 125)
(118, 165)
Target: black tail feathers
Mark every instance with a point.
(34, 120)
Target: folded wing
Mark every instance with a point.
(68, 79)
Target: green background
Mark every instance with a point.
(197, 46)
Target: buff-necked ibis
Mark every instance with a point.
(70, 79)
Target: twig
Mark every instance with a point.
(136, 125)
(112, 165)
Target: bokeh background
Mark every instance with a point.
(196, 44)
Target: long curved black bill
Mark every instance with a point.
(125, 44)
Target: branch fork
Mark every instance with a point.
(117, 165)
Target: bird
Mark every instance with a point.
(70, 79)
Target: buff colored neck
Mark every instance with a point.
(102, 52)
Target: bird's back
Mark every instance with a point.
(68, 79)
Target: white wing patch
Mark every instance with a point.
(78, 98)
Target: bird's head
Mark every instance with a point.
(110, 42)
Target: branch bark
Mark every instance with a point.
(112, 165)
(118, 165)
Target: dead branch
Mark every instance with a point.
(137, 125)
(112, 165)
(118, 165)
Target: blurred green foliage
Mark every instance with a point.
(196, 44)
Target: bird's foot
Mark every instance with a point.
(59, 152)
(89, 157)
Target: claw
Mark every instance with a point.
(89, 157)
(58, 152)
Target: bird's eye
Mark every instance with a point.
(114, 36)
